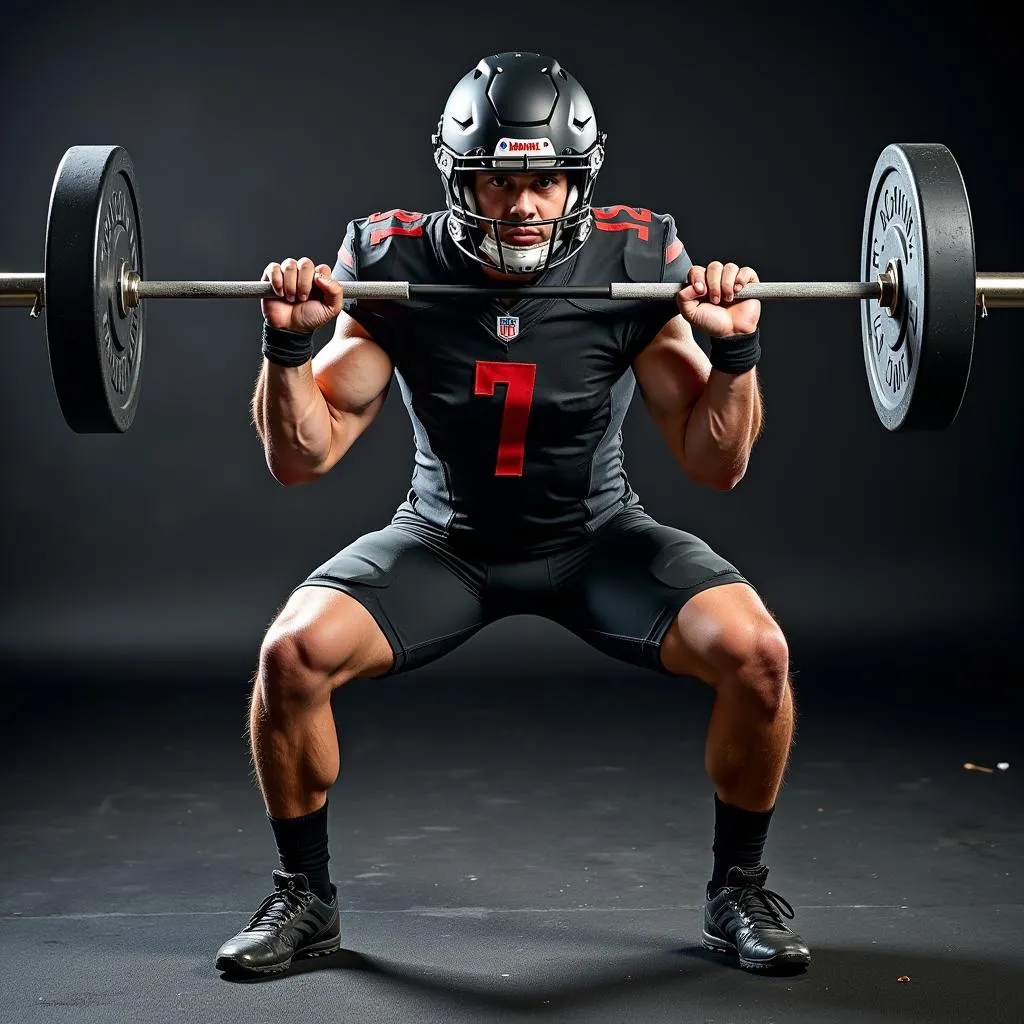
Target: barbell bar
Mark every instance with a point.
(29, 290)
(919, 295)
(992, 291)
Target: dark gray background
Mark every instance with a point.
(258, 130)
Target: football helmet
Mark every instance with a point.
(519, 113)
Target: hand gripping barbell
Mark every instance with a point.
(920, 296)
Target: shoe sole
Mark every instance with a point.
(324, 948)
(784, 961)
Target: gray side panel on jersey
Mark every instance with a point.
(429, 477)
(607, 464)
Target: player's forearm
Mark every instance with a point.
(293, 421)
(722, 428)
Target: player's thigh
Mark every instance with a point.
(423, 597)
(626, 594)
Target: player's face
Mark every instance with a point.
(524, 198)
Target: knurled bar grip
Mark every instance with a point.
(259, 290)
(761, 290)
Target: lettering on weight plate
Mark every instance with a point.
(118, 214)
(121, 361)
(896, 204)
(112, 217)
(896, 373)
(133, 246)
(878, 329)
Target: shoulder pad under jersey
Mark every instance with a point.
(391, 246)
(629, 243)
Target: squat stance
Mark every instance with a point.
(519, 500)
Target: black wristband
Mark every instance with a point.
(736, 354)
(286, 348)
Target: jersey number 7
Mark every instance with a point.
(520, 378)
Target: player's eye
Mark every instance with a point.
(498, 181)
(545, 183)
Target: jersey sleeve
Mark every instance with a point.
(370, 315)
(387, 246)
(648, 318)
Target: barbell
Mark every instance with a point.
(920, 294)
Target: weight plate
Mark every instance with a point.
(919, 359)
(96, 348)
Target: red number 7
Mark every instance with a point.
(520, 378)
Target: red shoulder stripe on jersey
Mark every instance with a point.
(640, 229)
(405, 216)
(635, 213)
(673, 251)
(345, 256)
(379, 234)
(637, 221)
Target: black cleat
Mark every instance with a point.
(746, 918)
(291, 923)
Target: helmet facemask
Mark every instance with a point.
(479, 237)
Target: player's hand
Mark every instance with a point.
(712, 300)
(309, 296)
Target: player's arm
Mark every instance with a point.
(709, 419)
(309, 415)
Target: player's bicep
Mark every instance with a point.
(672, 372)
(353, 373)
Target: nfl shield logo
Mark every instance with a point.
(508, 326)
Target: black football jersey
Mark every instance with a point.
(516, 410)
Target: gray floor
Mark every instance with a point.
(510, 848)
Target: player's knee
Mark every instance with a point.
(292, 670)
(755, 658)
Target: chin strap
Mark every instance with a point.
(521, 259)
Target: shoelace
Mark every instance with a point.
(762, 906)
(275, 909)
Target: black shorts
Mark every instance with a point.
(618, 590)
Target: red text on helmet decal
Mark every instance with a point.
(522, 146)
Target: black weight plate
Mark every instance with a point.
(918, 361)
(96, 350)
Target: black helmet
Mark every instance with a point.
(518, 112)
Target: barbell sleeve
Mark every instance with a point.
(21, 289)
(1000, 290)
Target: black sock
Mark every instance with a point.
(739, 840)
(302, 847)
